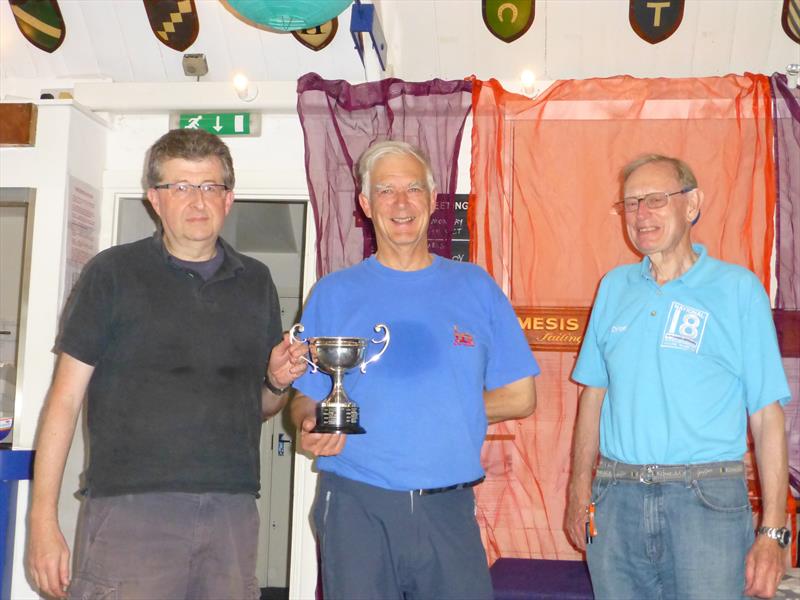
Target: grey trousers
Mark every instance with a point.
(378, 544)
(164, 546)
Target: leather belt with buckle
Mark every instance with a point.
(647, 474)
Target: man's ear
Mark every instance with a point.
(364, 202)
(153, 198)
(433, 201)
(693, 204)
(228, 201)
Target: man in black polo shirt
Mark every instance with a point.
(176, 340)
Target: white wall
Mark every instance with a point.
(69, 143)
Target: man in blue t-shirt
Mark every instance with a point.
(395, 510)
(680, 351)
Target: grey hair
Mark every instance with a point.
(379, 150)
(684, 173)
(189, 144)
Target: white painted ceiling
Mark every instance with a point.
(112, 40)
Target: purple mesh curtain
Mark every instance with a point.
(786, 115)
(341, 120)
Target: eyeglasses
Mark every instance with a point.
(651, 201)
(182, 190)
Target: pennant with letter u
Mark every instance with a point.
(40, 21)
(508, 19)
(790, 19)
(655, 20)
(174, 22)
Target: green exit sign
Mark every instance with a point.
(221, 123)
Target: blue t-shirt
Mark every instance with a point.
(683, 363)
(453, 333)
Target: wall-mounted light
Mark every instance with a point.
(244, 89)
(528, 81)
(793, 73)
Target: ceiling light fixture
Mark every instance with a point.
(244, 89)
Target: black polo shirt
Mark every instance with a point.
(174, 403)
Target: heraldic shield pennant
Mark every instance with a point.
(174, 22)
(790, 19)
(655, 20)
(508, 19)
(316, 38)
(40, 21)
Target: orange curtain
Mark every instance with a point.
(544, 175)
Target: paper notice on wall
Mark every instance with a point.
(83, 226)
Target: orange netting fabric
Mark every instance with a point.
(544, 175)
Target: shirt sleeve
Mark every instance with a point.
(762, 368)
(590, 368)
(87, 320)
(275, 331)
(510, 356)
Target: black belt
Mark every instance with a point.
(611, 469)
(449, 488)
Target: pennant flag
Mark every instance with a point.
(654, 21)
(40, 21)
(508, 19)
(174, 22)
(285, 15)
(316, 38)
(790, 19)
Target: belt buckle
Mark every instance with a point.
(648, 474)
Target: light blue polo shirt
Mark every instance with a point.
(683, 364)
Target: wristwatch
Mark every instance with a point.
(780, 534)
(275, 390)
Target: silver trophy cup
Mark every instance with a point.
(336, 356)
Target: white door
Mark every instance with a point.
(270, 231)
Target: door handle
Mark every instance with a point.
(283, 440)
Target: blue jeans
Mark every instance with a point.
(684, 540)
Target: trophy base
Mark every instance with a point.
(348, 428)
(337, 417)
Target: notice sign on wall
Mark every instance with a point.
(555, 329)
(219, 123)
(83, 225)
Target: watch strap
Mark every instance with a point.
(275, 390)
(780, 534)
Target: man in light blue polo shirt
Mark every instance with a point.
(679, 354)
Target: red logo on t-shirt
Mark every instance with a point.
(462, 338)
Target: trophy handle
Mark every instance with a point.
(384, 340)
(293, 338)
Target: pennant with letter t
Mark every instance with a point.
(508, 19)
(655, 20)
(316, 38)
(174, 22)
(790, 19)
(40, 21)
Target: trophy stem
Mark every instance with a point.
(337, 414)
